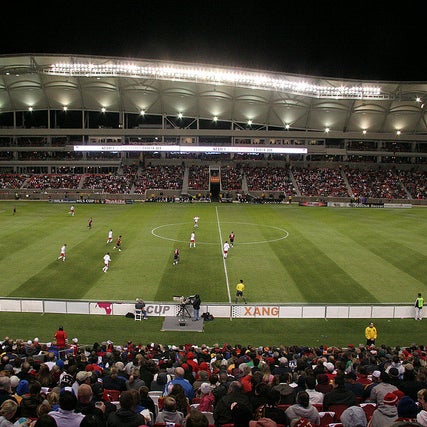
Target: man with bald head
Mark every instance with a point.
(179, 379)
(86, 404)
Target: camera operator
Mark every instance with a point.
(196, 301)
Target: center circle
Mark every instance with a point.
(283, 234)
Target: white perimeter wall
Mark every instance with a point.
(387, 311)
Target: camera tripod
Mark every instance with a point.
(183, 311)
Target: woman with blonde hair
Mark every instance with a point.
(7, 411)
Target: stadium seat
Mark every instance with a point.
(338, 409)
(209, 416)
(326, 418)
(111, 395)
(369, 408)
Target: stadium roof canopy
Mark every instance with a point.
(267, 100)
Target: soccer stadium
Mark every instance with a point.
(311, 191)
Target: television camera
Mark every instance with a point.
(183, 301)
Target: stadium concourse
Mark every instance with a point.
(266, 381)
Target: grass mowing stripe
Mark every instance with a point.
(227, 284)
(333, 255)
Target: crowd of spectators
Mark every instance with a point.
(321, 182)
(231, 178)
(198, 178)
(228, 384)
(159, 177)
(269, 179)
(383, 184)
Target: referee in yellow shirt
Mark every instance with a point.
(240, 288)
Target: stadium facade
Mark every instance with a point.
(87, 114)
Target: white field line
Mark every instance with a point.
(222, 255)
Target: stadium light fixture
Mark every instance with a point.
(220, 76)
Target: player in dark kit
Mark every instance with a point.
(89, 224)
(176, 256)
(118, 243)
(231, 239)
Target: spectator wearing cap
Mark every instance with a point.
(339, 395)
(354, 416)
(246, 377)
(407, 410)
(379, 391)
(82, 377)
(396, 363)
(368, 388)
(202, 377)
(394, 376)
(207, 399)
(354, 386)
(330, 370)
(14, 381)
(282, 367)
(386, 412)
(303, 409)
(159, 381)
(66, 382)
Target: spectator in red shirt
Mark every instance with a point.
(60, 337)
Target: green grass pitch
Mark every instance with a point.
(285, 254)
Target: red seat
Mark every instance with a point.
(111, 395)
(326, 418)
(338, 409)
(318, 406)
(368, 408)
(283, 406)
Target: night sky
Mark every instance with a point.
(342, 39)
